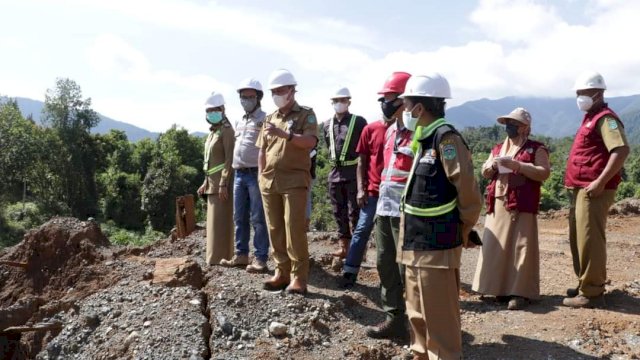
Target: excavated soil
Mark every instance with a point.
(92, 300)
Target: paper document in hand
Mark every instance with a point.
(502, 169)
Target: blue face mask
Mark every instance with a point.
(214, 117)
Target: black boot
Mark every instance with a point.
(347, 280)
(394, 328)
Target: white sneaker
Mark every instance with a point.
(257, 266)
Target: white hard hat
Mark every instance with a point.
(341, 93)
(281, 77)
(214, 100)
(590, 80)
(250, 83)
(433, 85)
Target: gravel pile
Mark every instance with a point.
(134, 320)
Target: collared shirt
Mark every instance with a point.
(340, 130)
(398, 159)
(245, 154)
(287, 166)
(217, 152)
(371, 145)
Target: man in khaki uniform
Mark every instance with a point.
(593, 173)
(440, 205)
(285, 141)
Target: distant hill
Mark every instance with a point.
(134, 133)
(551, 117)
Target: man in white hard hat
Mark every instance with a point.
(595, 162)
(285, 142)
(341, 134)
(247, 200)
(440, 205)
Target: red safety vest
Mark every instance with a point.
(398, 156)
(589, 155)
(523, 194)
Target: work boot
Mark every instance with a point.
(581, 301)
(517, 303)
(276, 283)
(344, 248)
(236, 260)
(572, 292)
(257, 266)
(347, 280)
(297, 286)
(394, 328)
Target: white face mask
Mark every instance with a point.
(409, 121)
(340, 108)
(584, 102)
(281, 100)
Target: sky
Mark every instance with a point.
(154, 63)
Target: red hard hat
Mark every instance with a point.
(395, 83)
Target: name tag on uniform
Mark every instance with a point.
(429, 157)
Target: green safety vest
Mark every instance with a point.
(421, 133)
(345, 146)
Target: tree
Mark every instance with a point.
(175, 170)
(72, 118)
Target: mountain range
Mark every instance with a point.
(554, 117)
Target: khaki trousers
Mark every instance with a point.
(219, 229)
(286, 221)
(587, 225)
(433, 308)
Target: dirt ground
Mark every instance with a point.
(161, 302)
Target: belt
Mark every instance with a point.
(247, 170)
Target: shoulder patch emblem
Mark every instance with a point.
(311, 119)
(449, 152)
(612, 124)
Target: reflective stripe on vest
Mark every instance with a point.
(430, 212)
(421, 133)
(214, 169)
(345, 146)
(207, 152)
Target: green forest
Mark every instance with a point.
(62, 169)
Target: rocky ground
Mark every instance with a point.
(78, 297)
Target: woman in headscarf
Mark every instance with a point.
(509, 262)
(218, 158)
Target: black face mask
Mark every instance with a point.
(388, 107)
(512, 130)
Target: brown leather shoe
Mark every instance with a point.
(581, 301)
(344, 248)
(276, 283)
(297, 286)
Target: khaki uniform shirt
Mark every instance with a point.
(287, 166)
(219, 145)
(612, 132)
(458, 166)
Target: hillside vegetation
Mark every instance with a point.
(63, 169)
